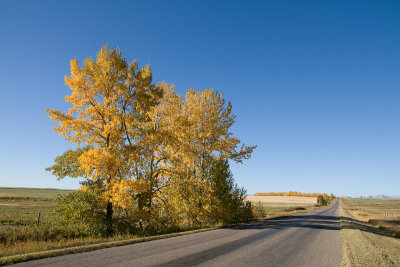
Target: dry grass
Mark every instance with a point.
(365, 244)
(283, 199)
(383, 213)
(384, 207)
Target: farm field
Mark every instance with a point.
(20, 206)
(370, 231)
(383, 213)
(381, 207)
(283, 199)
(34, 193)
(276, 205)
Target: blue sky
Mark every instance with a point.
(315, 84)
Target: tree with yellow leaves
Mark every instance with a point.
(110, 99)
(144, 147)
(198, 130)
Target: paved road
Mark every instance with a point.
(309, 239)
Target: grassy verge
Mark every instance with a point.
(364, 244)
(83, 245)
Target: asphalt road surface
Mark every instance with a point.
(308, 239)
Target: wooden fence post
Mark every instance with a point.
(38, 219)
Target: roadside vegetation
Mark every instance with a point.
(370, 232)
(19, 233)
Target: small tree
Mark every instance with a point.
(228, 200)
(260, 211)
(321, 200)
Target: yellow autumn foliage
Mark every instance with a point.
(147, 145)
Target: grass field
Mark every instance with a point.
(33, 193)
(20, 206)
(368, 233)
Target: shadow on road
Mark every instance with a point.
(304, 221)
(300, 221)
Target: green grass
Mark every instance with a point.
(20, 206)
(25, 212)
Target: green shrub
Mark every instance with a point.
(82, 213)
(230, 204)
(322, 201)
(260, 211)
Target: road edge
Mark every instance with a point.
(86, 248)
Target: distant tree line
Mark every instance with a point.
(293, 193)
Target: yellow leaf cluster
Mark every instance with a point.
(120, 193)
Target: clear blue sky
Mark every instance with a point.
(315, 84)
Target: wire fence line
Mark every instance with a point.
(355, 205)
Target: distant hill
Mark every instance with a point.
(382, 196)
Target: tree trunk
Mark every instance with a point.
(109, 216)
(140, 208)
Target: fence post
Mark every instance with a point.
(38, 219)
